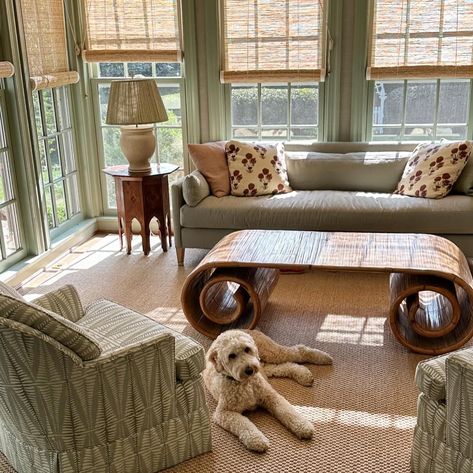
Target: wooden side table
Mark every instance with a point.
(143, 196)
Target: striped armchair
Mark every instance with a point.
(97, 390)
(443, 437)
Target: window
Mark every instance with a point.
(10, 235)
(420, 61)
(275, 112)
(170, 135)
(57, 155)
(418, 110)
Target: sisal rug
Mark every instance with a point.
(363, 406)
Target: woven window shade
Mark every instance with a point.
(132, 31)
(418, 39)
(46, 46)
(6, 69)
(273, 41)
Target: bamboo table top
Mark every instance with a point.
(374, 252)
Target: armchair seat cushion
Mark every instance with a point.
(117, 327)
(431, 378)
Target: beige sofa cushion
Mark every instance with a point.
(334, 211)
(364, 171)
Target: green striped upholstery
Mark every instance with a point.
(116, 326)
(122, 412)
(443, 437)
(64, 301)
(430, 377)
(54, 325)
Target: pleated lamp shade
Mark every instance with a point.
(135, 102)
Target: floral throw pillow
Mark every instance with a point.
(433, 169)
(256, 168)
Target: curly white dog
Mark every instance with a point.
(238, 364)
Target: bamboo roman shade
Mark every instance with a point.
(6, 69)
(132, 30)
(418, 39)
(46, 46)
(268, 41)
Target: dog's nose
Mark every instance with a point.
(249, 371)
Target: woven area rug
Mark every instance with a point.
(363, 406)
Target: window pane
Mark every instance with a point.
(274, 134)
(104, 93)
(111, 69)
(245, 133)
(451, 132)
(111, 147)
(111, 198)
(171, 96)
(37, 115)
(453, 101)
(6, 191)
(388, 103)
(169, 145)
(304, 105)
(168, 69)
(244, 106)
(10, 228)
(68, 150)
(64, 112)
(303, 133)
(49, 114)
(140, 68)
(420, 102)
(418, 133)
(49, 206)
(386, 133)
(61, 211)
(72, 195)
(53, 151)
(274, 105)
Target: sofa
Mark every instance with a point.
(443, 436)
(336, 187)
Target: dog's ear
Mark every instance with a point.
(213, 358)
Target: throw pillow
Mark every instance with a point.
(433, 169)
(195, 188)
(210, 160)
(256, 168)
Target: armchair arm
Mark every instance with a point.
(459, 370)
(177, 201)
(431, 377)
(64, 301)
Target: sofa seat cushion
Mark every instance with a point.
(117, 327)
(334, 211)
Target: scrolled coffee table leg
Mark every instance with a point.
(426, 314)
(219, 299)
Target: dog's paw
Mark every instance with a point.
(303, 429)
(312, 355)
(256, 442)
(304, 377)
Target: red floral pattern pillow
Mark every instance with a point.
(256, 168)
(433, 169)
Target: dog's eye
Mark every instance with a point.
(231, 356)
(247, 349)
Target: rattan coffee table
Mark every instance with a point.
(431, 286)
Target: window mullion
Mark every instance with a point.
(404, 111)
(260, 113)
(436, 109)
(289, 111)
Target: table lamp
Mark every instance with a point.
(135, 104)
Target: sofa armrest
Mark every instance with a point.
(64, 301)
(459, 371)
(177, 201)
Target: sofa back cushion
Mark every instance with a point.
(364, 171)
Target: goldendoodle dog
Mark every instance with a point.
(238, 365)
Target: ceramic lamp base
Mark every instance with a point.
(138, 144)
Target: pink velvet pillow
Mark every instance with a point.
(211, 161)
